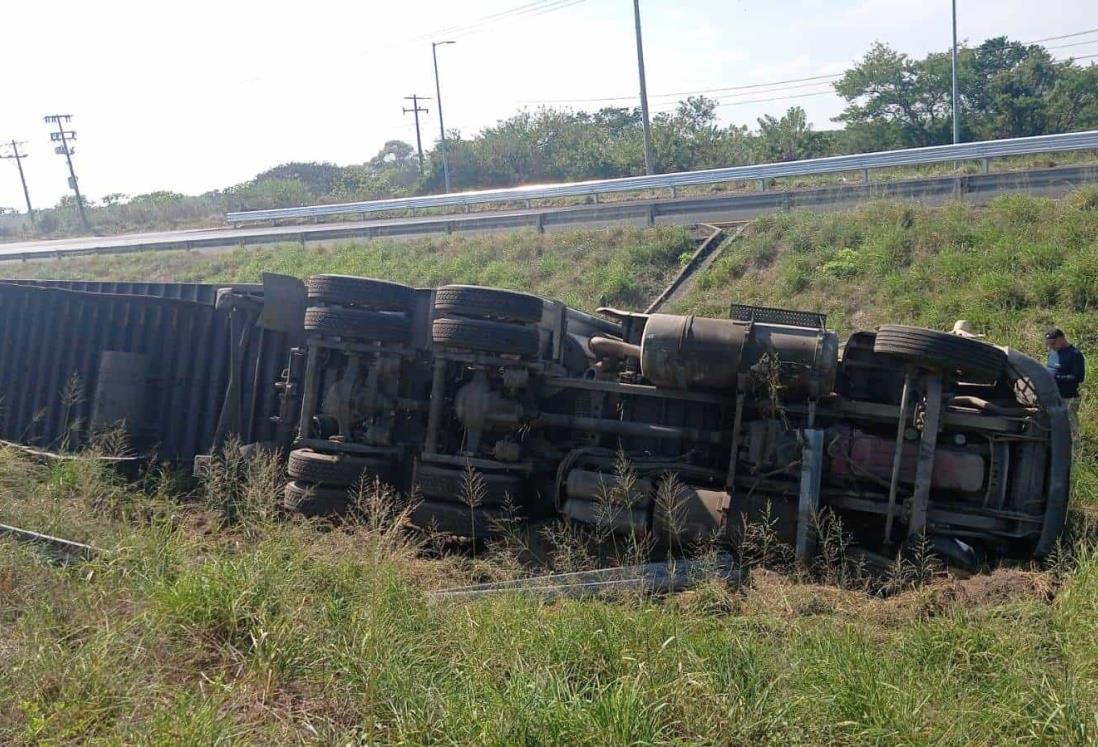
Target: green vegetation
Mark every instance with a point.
(622, 266)
(211, 622)
(1008, 89)
(201, 630)
(1013, 269)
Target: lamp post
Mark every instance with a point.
(649, 157)
(441, 126)
(956, 113)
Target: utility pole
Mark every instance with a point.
(441, 126)
(649, 157)
(63, 136)
(956, 112)
(416, 109)
(22, 178)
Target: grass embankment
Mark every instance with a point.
(199, 629)
(1013, 269)
(582, 268)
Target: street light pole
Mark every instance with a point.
(649, 157)
(956, 113)
(441, 126)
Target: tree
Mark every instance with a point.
(317, 178)
(396, 162)
(263, 193)
(1073, 102)
(1008, 87)
(790, 138)
(1005, 91)
(115, 198)
(688, 138)
(894, 101)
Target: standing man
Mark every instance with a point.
(1068, 367)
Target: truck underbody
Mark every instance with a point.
(680, 428)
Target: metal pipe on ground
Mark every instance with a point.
(61, 549)
(661, 577)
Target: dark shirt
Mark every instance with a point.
(1069, 367)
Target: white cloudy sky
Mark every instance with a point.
(197, 95)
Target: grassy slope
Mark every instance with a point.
(196, 630)
(621, 265)
(1013, 269)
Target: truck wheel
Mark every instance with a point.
(366, 293)
(485, 336)
(970, 359)
(312, 500)
(456, 519)
(488, 303)
(379, 326)
(447, 484)
(335, 469)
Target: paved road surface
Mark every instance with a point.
(683, 210)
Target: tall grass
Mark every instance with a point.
(211, 622)
(206, 624)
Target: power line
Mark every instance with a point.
(552, 7)
(776, 98)
(1074, 44)
(750, 87)
(1062, 36)
(771, 84)
(540, 7)
(764, 87)
(455, 28)
(1078, 57)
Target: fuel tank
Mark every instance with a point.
(692, 352)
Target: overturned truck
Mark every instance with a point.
(761, 416)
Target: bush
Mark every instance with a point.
(844, 264)
(1080, 279)
(1000, 290)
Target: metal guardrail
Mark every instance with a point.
(830, 165)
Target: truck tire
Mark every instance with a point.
(366, 293)
(457, 519)
(360, 324)
(310, 500)
(973, 360)
(335, 469)
(488, 303)
(447, 484)
(486, 336)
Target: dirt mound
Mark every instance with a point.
(782, 595)
(948, 594)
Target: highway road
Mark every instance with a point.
(976, 188)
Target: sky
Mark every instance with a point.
(204, 94)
